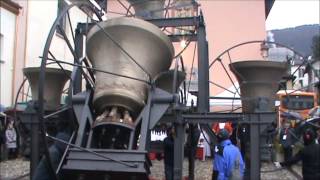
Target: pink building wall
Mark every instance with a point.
(20, 50)
(229, 23)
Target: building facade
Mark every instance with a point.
(23, 36)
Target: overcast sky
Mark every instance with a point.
(291, 13)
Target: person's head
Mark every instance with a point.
(10, 125)
(309, 137)
(223, 134)
(170, 131)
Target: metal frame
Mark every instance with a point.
(157, 105)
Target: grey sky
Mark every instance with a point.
(291, 13)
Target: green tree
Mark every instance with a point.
(316, 47)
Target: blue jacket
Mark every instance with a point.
(224, 161)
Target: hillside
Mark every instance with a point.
(299, 38)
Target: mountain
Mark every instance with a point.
(298, 38)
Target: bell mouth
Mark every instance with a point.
(116, 116)
(112, 128)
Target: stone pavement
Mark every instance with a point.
(15, 168)
(203, 171)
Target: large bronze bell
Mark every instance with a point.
(145, 43)
(148, 8)
(55, 80)
(259, 80)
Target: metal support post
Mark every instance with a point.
(79, 53)
(203, 68)
(29, 117)
(255, 147)
(191, 150)
(178, 148)
(34, 145)
(203, 84)
(175, 22)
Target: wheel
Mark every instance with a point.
(49, 60)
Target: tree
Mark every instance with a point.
(316, 47)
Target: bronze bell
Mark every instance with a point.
(259, 80)
(145, 43)
(55, 80)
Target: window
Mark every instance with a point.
(62, 23)
(296, 102)
(184, 12)
(184, 9)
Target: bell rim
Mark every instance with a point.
(47, 70)
(258, 63)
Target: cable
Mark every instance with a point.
(98, 70)
(191, 71)
(205, 138)
(189, 41)
(123, 50)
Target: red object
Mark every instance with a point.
(200, 153)
(227, 126)
(152, 156)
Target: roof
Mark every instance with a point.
(10, 6)
(268, 6)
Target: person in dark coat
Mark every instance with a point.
(287, 141)
(168, 145)
(309, 155)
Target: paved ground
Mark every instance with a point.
(13, 169)
(18, 167)
(203, 171)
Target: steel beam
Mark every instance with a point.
(179, 37)
(145, 132)
(225, 98)
(203, 68)
(31, 114)
(77, 82)
(178, 148)
(255, 148)
(212, 117)
(175, 22)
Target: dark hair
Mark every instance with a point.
(169, 130)
(9, 122)
(223, 135)
(309, 136)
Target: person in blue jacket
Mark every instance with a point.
(228, 163)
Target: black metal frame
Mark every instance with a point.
(155, 109)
